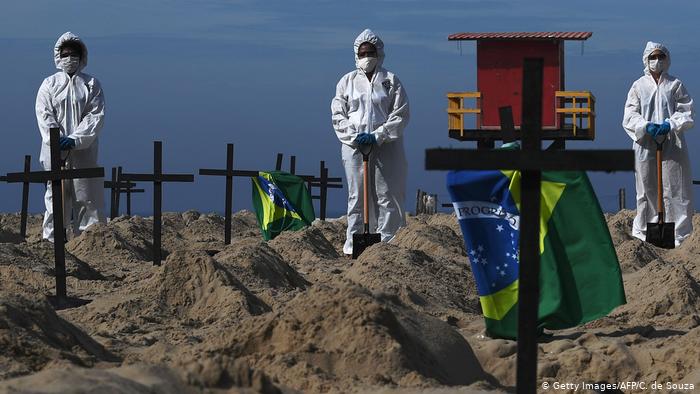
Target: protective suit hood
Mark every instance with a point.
(68, 36)
(651, 47)
(368, 36)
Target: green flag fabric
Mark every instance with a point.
(281, 202)
(580, 278)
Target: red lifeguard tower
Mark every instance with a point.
(566, 115)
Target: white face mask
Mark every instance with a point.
(656, 65)
(366, 64)
(70, 64)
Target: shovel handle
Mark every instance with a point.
(659, 183)
(365, 182)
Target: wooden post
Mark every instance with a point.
(113, 198)
(25, 197)
(622, 198)
(228, 209)
(58, 225)
(157, 200)
(418, 202)
(323, 191)
(528, 285)
(278, 164)
(119, 190)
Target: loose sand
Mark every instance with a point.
(294, 315)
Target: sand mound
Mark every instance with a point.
(262, 270)
(662, 294)
(210, 227)
(304, 246)
(638, 353)
(691, 245)
(10, 227)
(444, 219)
(634, 254)
(39, 257)
(342, 337)
(122, 241)
(334, 231)
(436, 240)
(203, 228)
(620, 226)
(259, 266)
(20, 281)
(436, 286)
(138, 379)
(32, 336)
(192, 285)
(129, 240)
(10, 236)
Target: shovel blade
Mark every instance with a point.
(662, 235)
(360, 242)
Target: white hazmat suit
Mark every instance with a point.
(649, 102)
(379, 107)
(76, 106)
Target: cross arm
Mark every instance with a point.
(158, 178)
(208, 171)
(45, 176)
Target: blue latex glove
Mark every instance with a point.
(360, 139)
(653, 129)
(66, 143)
(664, 128)
(366, 139)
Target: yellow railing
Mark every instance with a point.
(577, 111)
(456, 109)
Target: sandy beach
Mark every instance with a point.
(294, 315)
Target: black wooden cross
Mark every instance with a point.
(128, 188)
(157, 177)
(25, 195)
(118, 187)
(278, 164)
(229, 173)
(113, 185)
(531, 161)
(323, 182)
(56, 176)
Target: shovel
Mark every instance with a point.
(661, 234)
(360, 242)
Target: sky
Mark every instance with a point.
(261, 74)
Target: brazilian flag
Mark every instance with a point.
(580, 278)
(281, 202)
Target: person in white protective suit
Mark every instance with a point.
(659, 107)
(72, 101)
(370, 108)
